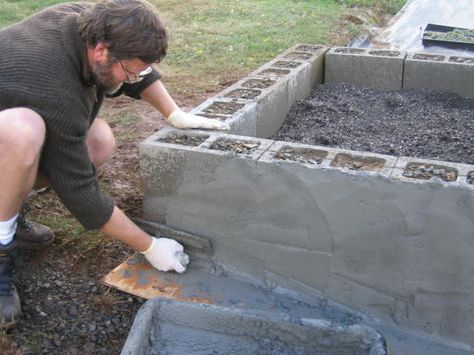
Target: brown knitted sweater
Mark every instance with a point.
(43, 66)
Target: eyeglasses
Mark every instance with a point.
(135, 78)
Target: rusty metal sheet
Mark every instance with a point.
(137, 277)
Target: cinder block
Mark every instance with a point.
(242, 118)
(442, 172)
(375, 69)
(312, 53)
(440, 72)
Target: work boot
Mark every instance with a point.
(10, 308)
(29, 234)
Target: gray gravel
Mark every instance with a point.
(66, 310)
(415, 123)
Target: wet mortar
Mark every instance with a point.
(414, 123)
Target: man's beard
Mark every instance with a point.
(103, 77)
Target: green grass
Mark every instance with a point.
(214, 42)
(225, 39)
(388, 6)
(15, 10)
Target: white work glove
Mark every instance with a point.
(166, 254)
(180, 119)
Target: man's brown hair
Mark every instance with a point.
(130, 28)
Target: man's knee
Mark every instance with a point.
(100, 142)
(23, 131)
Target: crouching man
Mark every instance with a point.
(55, 69)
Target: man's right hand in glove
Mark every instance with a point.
(180, 119)
(166, 254)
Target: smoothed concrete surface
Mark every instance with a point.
(398, 249)
(171, 327)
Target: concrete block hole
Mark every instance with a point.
(355, 162)
(226, 108)
(349, 50)
(309, 48)
(301, 155)
(464, 60)
(274, 72)
(385, 53)
(433, 57)
(238, 146)
(245, 94)
(470, 177)
(424, 171)
(298, 56)
(258, 83)
(185, 139)
(285, 64)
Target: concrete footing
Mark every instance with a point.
(190, 328)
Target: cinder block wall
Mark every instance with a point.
(440, 72)
(375, 69)
(391, 246)
(398, 248)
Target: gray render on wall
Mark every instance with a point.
(399, 250)
(395, 248)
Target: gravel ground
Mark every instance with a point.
(415, 123)
(66, 310)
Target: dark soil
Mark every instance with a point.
(415, 123)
